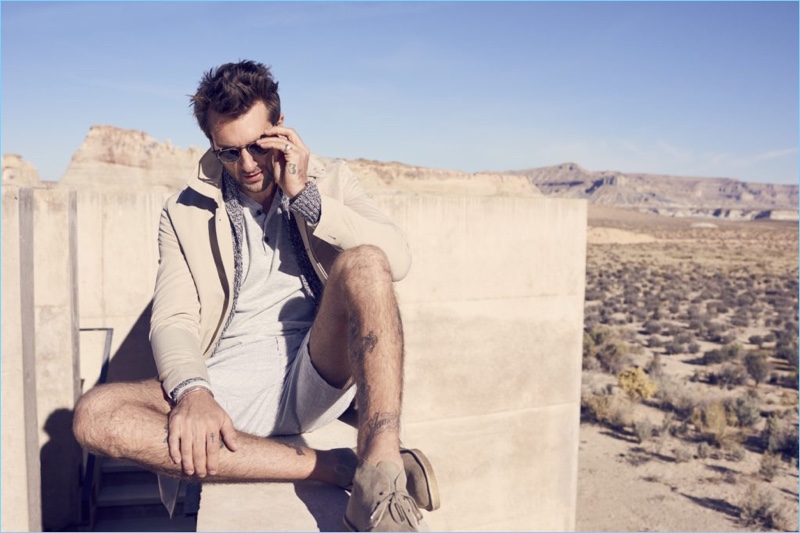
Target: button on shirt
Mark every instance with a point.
(271, 301)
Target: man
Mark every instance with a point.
(273, 297)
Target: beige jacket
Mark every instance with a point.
(194, 286)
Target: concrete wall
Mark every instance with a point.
(57, 352)
(117, 265)
(21, 508)
(493, 312)
(493, 315)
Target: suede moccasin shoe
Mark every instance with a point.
(379, 500)
(421, 484)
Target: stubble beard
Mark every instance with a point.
(267, 179)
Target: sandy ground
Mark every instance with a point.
(627, 486)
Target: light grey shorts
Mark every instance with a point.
(272, 388)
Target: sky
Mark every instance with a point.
(681, 88)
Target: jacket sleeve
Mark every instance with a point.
(351, 218)
(175, 322)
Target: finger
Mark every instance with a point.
(199, 454)
(289, 133)
(229, 435)
(283, 146)
(186, 456)
(212, 453)
(174, 441)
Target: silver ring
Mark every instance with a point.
(287, 147)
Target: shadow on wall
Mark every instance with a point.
(61, 446)
(133, 360)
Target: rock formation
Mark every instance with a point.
(19, 172)
(116, 157)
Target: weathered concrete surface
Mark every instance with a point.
(117, 263)
(21, 508)
(493, 315)
(57, 353)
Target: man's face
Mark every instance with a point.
(253, 174)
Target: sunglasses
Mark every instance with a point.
(232, 155)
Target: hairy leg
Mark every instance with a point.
(358, 335)
(130, 420)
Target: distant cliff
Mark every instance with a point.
(667, 195)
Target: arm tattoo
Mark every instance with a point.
(292, 168)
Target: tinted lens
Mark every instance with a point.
(256, 150)
(229, 155)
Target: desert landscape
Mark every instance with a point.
(689, 387)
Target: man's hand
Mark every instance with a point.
(290, 163)
(198, 426)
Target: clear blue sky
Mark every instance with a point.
(685, 88)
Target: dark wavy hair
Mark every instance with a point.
(232, 89)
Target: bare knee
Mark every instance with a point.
(88, 412)
(362, 264)
(95, 415)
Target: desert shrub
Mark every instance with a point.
(729, 376)
(737, 453)
(769, 466)
(643, 429)
(655, 367)
(757, 340)
(727, 338)
(606, 409)
(676, 398)
(703, 450)
(746, 409)
(757, 366)
(681, 455)
(740, 320)
(651, 327)
(758, 508)
(788, 352)
(684, 337)
(693, 348)
(712, 419)
(673, 348)
(779, 436)
(655, 342)
(602, 347)
(635, 383)
(729, 352)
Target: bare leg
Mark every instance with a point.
(358, 335)
(129, 420)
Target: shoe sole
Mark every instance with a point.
(416, 464)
